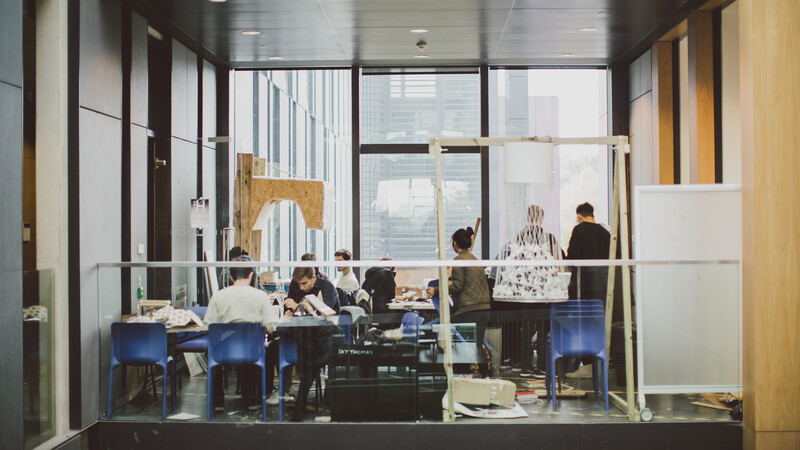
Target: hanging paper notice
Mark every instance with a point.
(200, 213)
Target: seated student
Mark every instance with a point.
(225, 273)
(294, 289)
(240, 302)
(313, 343)
(309, 283)
(379, 283)
(347, 281)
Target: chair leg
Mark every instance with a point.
(125, 384)
(210, 400)
(605, 382)
(163, 392)
(110, 391)
(264, 392)
(280, 394)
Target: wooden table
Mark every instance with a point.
(191, 327)
(418, 305)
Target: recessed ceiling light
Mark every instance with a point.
(251, 33)
(567, 55)
(588, 29)
(419, 30)
(421, 56)
(275, 58)
(218, 1)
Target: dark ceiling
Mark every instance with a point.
(328, 33)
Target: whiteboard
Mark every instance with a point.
(688, 315)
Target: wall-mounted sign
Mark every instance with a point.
(200, 213)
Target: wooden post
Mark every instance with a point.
(612, 254)
(444, 304)
(633, 414)
(477, 227)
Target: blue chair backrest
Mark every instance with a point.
(434, 299)
(235, 343)
(411, 322)
(288, 351)
(138, 343)
(199, 310)
(578, 335)
(346, 325)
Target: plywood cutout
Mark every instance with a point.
(255, 198)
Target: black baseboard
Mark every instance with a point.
(384, 436)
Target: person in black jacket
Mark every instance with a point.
(380, 285)
(589, 240)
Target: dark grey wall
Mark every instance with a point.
(11, 222)
(139, 155)
(100, 147)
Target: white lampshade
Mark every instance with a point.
(528, 162)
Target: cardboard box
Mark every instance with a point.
(484, 391)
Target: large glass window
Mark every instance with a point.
(398, 203)
(553, 102)
(412, 108)
(298, 121)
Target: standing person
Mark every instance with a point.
(589, 240)
(240, 302)
(526, 324)
(347, 281)
(469, 288)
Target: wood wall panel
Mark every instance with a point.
(770, 58)
(663, 119)
(701, 97)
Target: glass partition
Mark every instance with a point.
(380, 355)
(38, 318)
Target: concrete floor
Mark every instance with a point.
(666, 408)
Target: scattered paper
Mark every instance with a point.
(487, 412)
(183, 416)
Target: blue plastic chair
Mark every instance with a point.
(236, 344)
(196, 342)
(287, 356)
(411, 322)
(346, 325)
(577, 333)
(139, 344)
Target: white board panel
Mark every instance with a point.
(689, 316)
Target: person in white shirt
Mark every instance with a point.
(347, 281)
(240, 302)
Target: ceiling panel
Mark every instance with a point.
(312, 33)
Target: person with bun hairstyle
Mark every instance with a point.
(468, 287)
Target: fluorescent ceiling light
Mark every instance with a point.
(251, 33)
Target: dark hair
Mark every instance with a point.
(308, 257)
(463, 238)
(302, 272)
(236, 252)
(585, 210)
(344, 253)
(240, 273)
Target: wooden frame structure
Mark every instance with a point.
(255, 197)
(619, 226)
